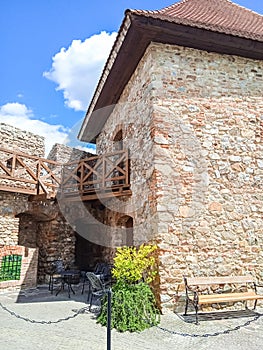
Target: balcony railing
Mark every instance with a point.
(106, 175)
(23, 173)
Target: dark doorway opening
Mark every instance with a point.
(84, 253)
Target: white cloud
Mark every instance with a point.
(12, 109)
(20, 116)
(77, 69)
(89, 149)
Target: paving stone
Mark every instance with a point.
(82, 332)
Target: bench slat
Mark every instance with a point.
(195, 297)
(227, 297)
(194, 281)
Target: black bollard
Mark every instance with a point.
(109, 319)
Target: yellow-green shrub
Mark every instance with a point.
(133, 306)
(133, 264)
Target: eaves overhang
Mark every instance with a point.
(136, 33)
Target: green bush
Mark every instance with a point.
(133, 306)
(132, 264)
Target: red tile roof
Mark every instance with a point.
(222, 16)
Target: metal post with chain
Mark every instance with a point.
(109, 319)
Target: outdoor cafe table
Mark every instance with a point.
(69, 277)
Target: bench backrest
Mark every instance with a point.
(197, 281)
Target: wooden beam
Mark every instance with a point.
(17, 189)
(90, 197)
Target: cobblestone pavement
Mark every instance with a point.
(82, 331)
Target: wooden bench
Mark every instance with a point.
(195, 286)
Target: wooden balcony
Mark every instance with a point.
(22, 173)
(103, 176)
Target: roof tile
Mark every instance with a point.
(217, 15)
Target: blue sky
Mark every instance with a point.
(52, 53)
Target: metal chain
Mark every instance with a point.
(84, 309)
(78, 312)
(206, 335)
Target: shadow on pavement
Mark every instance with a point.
(43, 294)
(219, 315)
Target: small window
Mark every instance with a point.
(126, 223)
(118, 141)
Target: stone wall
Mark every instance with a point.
(9, 228)
(208, 153)
(133, 115)
(56, 240)
(15, 139)
(19, 217)
(11, 204)
(64, 154)
(193, 123)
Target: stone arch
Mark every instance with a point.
(30, 217)
(43, 227)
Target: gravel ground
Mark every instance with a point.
(82, 331)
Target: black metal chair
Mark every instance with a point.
(97, 288)
(101, 269)
(105, 273)
(85, 280)
(55, 275)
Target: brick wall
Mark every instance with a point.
(28, 276)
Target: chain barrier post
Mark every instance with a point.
(109, 319)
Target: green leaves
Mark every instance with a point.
(133, 308)
(133, 302)
(133, 264)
